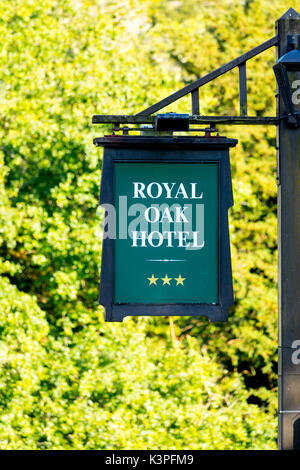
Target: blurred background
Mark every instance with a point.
(68, 380)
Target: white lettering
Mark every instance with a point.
(155, 235)
(149, 190)
(169, 238)
(154, 190)
(195, 240)
(182, 239)
(168, 189)
(180, 217)
(193, 192)
(139, 190)
(157, 214)
(166, 215)
(181, 190)
(135, 238)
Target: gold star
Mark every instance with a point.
(179, 280)
(166, 280)
(152, 280)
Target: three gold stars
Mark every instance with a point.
(166, 280)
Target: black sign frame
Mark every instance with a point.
(167, 149)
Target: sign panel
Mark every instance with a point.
(168, 216)
(166, 247)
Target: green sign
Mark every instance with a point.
(166, 246)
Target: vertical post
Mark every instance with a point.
(288, 167)
(195, 102)
(243, 89)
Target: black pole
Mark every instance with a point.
(288, 164)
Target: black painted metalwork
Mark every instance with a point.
(171, 122)
(209, 77)
(289, 62)
(288, 159)
(237, 120)
(145, 116)
(243, 89)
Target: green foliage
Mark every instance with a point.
(67, 379)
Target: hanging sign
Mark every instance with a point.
(166, 248)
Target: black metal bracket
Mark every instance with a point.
(172, 122)
(293, 42)
(281, 69)
(181, 122)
